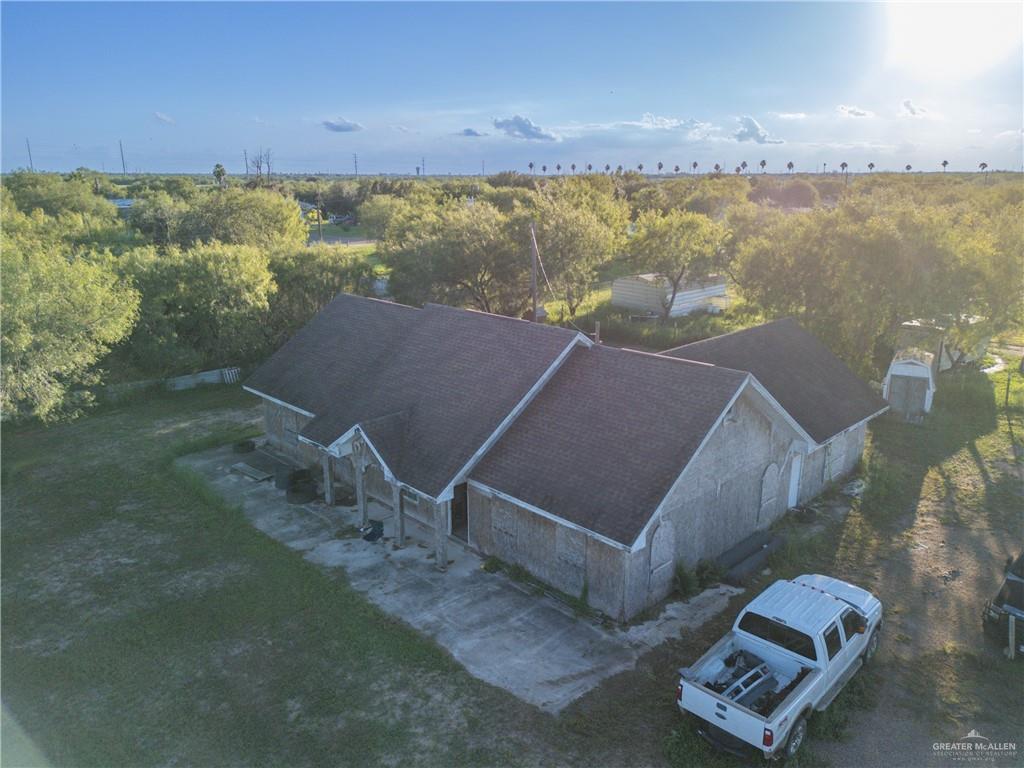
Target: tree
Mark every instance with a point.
(573, 169)
(789, 166)
(530, 166)
(871, 167)
(694, 166)
(982, 167)
(944, 163)
(590, 168)
(763, 163)
(718, 168)
(743, 166)
(543, 169)
(57, 196)
(244, 216)
(201, 307)
(660, 166)
(558, 168)
(158, 217)
(607, 168)
(62, 312)
(676, 247)
(640, 167)
(466, 255)
(219, 174)
(907, 168)
(675, 169)
(738, 170)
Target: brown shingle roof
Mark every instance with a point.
(814, 386)
(427, 386)
(605, 439)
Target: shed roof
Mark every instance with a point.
(603, 442)
(428, 386)
(813, 385)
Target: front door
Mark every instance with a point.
(460, 513)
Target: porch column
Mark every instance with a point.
(359, 462)
(397, 504)
(441, 535)
(328, 464)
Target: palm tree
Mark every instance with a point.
(718, 168)
(982, 167)
(763, 163)
(543, 169)
(640, 167)
(694, 166)
(871, 167)
(558, 168)
(530, 166)
(660, 166)
(944, 164)
(676, 169)
(618, 169)
(607, 168)
(907, 168)
(789, 166)
(590, 167)
(743, 165)
(738, 170)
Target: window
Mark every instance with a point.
(833, 643)
(779, 634)
(852, 621)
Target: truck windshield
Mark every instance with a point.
(779, 634)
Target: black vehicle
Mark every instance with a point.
(1008, 605)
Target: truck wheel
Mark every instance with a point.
(797, 736)
(869, 652)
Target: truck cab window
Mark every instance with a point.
(832, 641)
(851, 622)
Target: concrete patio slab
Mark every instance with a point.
(501, 631)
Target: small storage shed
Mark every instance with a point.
(909, 384)
(646, 293)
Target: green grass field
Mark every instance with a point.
(146, 622)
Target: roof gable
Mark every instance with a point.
(604, 441)
(813, 385)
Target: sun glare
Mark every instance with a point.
(953, 41)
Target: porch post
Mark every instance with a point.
(397, 504)
(441, 535)
(360, 466)
(328, 464)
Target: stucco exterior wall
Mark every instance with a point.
(283, 426)
(563, 557)
(831, 462)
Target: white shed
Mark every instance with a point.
(909, 384)
(646, 293)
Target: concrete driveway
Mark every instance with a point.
(502, 632)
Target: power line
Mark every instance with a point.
(544, 273)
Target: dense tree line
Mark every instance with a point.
(215, 271)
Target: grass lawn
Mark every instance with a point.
(337, 231)
(146, 622)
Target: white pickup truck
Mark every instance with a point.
(790, 652)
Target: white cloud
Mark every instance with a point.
(790, 115)
(341, 125)
(751, 130)
(910, 109)
(164, 118)
(472, 133)
(1010, 134)
(401, 128)
(519, 127)
(850, 111)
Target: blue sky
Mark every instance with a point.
(188, 85)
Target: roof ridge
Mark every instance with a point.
(496, 316)
(670, 359)
(374, 299)
(759, 326)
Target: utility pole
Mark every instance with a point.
(245, 158)
(423, 165)
(355, 163)
(124, 169)
(483, 171)
(533, 272)
(31, 166)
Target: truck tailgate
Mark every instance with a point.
(736, 720)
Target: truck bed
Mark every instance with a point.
(747, 674)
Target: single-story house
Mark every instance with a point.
(909, 384)
(596, 469)
(649, 294)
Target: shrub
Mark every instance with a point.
(708, 572)
(685, 581)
